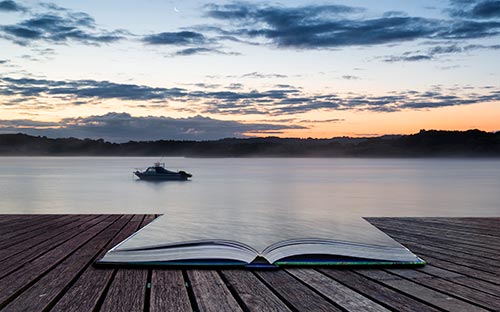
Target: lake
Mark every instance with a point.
(222, 188)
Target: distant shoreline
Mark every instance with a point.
(425, 144)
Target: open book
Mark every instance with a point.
(351, 241)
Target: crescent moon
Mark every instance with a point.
(176, 10)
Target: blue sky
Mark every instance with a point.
(206, 70)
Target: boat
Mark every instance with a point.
(157, 172)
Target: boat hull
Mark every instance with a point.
(162, 176)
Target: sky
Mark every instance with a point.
(197, 70)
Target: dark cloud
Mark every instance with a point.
(59, 26)
(282, 100)
(197, 43)
(86, 89)
(11, 6)
(176, 38)
(313, 27)
(122, 127)
(192, 51)
(486, 9)
(475, 9)
(4, 61)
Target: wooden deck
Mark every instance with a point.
(46, 265)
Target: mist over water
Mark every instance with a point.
(265, 188)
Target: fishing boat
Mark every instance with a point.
(158, 172)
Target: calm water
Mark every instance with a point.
(299, 189)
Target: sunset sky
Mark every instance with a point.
(157, 69)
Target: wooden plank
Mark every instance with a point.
(455, 251)
(10, 264)
(477, 263)
(129, 298)
(479, 298)
(295, 293)
(40, 295)
(453, 277)
(438, 237)
(210, 291)
(455, 244)
(35, 241)
(336, 292)
(451, 266)
(474, 239)
(17, 229)
(168, 291)
(14, 283)
(385, 296)
(16, 219)
(86, 292)
(485, 226)
(254, 294)
(426, 294)
(132, 282)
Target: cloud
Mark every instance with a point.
(436, 51)
(486, 9)
(350, 77)
(331, 26)
(252, 75)
(176, 38)
(59, 26)
(122, 127)
(282, 100)
(473, 9)
(199, 43)
(11, 6)
(85, 89)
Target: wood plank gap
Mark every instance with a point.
(63, 291)
(326, 298)
(147, 295)
(276, 293)
(374, 290)
(189, 288)
(461, 292)
(238, 299)
(101, 299)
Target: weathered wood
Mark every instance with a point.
(16, 219)
(130, 298)
(387, 297)
(479, 298)
(335, 291)
(168, 291)
(132, 282)
(210, 291)
(426, 294)
(474, 239)
(485, 226)
(48, 266)
(20, 226)
(454, 267)
(19, 280)
(454, 244)
(38, 228)
(255, 295)
(13, 263)
(85, 293)
(39, 296)
(295, 293)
